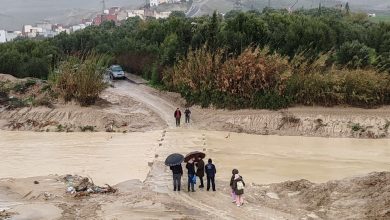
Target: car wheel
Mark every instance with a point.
(111, 77)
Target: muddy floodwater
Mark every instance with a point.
(113, 158)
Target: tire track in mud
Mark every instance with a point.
(138, 92)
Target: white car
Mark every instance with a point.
(116, 72)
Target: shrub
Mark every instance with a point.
(254, 71)
(270, 100)
(366, 88)
(316, 89)
(81, 79)
(355, 55)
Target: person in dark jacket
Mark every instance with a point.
(177, 116)
(238, 187)
(191, 174)
(177, 172)
(187, 113)
(200, 171)
(210, 173)
(234, 172)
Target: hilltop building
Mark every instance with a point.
(3, 39)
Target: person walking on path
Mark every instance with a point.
(177, 116)
(191, 175)
(234, 172)
(187, 114)
(200, 171)
(210, 173)
(177, 172)
(238, 186)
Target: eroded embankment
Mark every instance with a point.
(302, 121)
(113, 113)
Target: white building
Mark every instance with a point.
(78, 27)
(31, 31)
(135, 13)
(12, 35)
(154, 3)
(164, 14)
(45, 26)
(122, 15)
(3, 37)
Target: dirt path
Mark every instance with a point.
(142, 93)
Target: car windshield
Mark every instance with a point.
(117, 68)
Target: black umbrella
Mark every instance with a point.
(174, 159)
(195, 155)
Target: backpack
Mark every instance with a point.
(240, 185)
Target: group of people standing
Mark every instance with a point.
(237, 183)
(177, 115)
(200, 171)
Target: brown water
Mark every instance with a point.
(113, 158)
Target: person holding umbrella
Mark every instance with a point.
(200, 171)
(177, 172)
(191, 174)
(174, 162)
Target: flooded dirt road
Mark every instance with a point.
(105, 157)
(113, 158)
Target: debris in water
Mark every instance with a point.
(84, 186)
(36, 182)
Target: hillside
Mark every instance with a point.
(226, 5)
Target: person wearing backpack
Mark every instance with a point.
(234, 172)
(238, 186)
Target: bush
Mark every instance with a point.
(316, 89)
(22, 87)
(254, 71)
(355, 55)
(81, 79)
(270, 100)
(366, 88)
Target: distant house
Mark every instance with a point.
(32, 32)
(12, 35)
(122, 15)
(97, 20)
(45, 26)
(135, 13)
(114, 10)
(164, 14)
(154, 3)
(373, 15)
(3, 38)
(109, 18)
